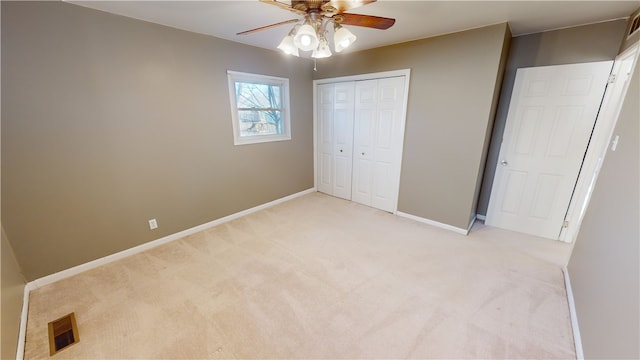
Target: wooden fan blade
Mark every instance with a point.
(345, 5)
(284, 6)
(268, 27)
(369, 21)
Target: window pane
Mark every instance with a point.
(260, 96)
(259, 108)
(253, 122)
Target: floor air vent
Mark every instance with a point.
(63, 333)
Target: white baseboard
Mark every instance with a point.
(437, 224)
(574, 316)
(154, 243)
(473, 220)
(481, 217)
(49, 279)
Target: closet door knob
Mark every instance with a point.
(362, 153)
(340, 150)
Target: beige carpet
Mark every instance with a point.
(319, 277)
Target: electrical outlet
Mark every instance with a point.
(153, 224)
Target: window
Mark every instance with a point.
(635, 25)
(259, 108)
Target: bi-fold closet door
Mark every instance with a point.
(360, 140)
(335, 140)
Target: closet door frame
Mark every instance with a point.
(399, 141)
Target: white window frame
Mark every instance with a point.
(634, 26)
(235, 76)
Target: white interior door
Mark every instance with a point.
(379, 117)
(551, 116)
(602, 133)
(335, 127)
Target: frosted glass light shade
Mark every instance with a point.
(342, 38)
(306, 38)
(322, 51)
(288, 47)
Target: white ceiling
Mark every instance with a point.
(414, 19)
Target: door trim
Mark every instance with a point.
(370, 76)
(602, 133)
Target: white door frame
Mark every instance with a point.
(371, 76)
(597, 148)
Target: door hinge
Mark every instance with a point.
(612, 79)
(565, 224)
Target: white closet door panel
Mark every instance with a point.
(378, 123)
(343, 139)
(325, 184)
(335, 140)
(362, 182)
(325, 138)
(364, 131)
(386, 145)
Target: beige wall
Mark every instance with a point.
(451, 101)
(108, 122)
(604, 267)
(588, 43)
(12, 294)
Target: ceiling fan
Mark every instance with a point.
(310, 32)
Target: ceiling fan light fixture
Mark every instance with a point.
(317, 15)
(288, 47)
(306, 38)
(342, 37)
(322, 51)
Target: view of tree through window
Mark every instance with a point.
(259, 109)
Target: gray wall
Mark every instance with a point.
(12, 294)
(108, 122)
(588, 43)
(604, 266)
(452, 97)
